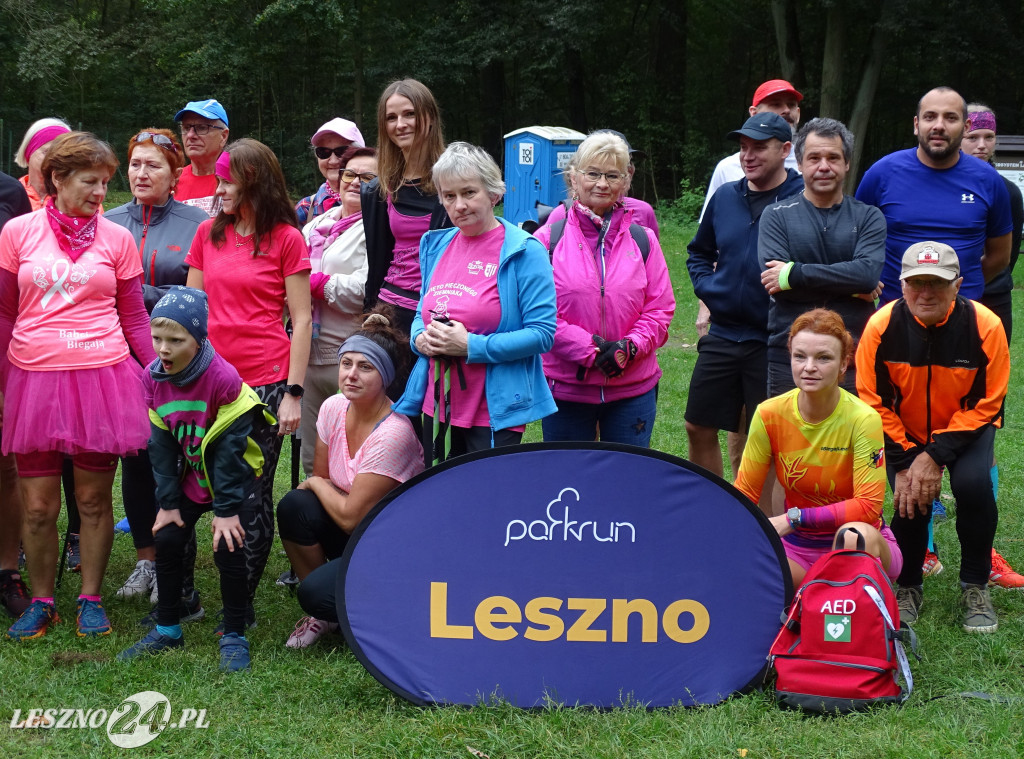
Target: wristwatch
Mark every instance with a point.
(793, 515)
(295, 391)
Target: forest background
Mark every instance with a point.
(674, 75)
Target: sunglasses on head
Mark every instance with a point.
(160, 140)
(324, 153)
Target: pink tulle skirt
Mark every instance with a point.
(76, 410)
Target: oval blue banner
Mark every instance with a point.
(572, 574)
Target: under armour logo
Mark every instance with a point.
(967, 197)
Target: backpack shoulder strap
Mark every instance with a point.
(641, 239)
(557, 230)
(638, 233)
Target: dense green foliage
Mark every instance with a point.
(674, 75)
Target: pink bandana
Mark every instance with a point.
(223, 169)
(588, 213)
(74, 233)
(981, 120)
(43, 136)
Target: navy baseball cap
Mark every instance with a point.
(764, 126)
(208, 109)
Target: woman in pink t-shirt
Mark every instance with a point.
(486, 315)
(71, 315)
(402, 203)
(363, 451)
(254, 266)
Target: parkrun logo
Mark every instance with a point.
(539, 529)
(134, 722)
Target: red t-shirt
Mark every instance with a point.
(198, 191)
(247, 297)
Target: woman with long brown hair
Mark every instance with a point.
(402, 203)
(253, 264)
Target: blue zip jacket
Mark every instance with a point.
(516, 390)
(723, 262)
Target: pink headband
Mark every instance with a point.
(223, 169)
(981, 120)
(43, 136)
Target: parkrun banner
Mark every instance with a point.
(572, 574)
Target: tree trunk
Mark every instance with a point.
(576, 89)
(861, 114)
(832, 63)
(787, 37)
(491, 81)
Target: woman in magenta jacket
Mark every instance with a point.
(615, 303)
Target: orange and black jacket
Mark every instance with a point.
(937, 388)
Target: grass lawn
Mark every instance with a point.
(321, 702)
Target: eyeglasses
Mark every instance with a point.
(935, 285)
(160, 140)
(201, 129)
(324, 153)
(613, 177)
(350, 176)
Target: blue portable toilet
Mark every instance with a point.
(535, 158)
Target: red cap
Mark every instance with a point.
(774, 87)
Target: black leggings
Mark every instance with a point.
(303, 521)
(976, 517)
(465, 440)
(138, 494)
(318, 592)
(170, 550)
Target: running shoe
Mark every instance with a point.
(13, 593)
(74, 553)
(1002, 574)
(153, 643)
(938, 510)
(92, 619)
(191, 610)
(932, 566)
(123, 527)
(308, 630)
(250, 620)
(979, 616)
(234, 653)
(33, 622)
(910, 598)
(288, 579)
(141, 582)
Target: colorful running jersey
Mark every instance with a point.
(833, 471)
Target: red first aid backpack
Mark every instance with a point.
(841, 644)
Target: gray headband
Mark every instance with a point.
(374, 354)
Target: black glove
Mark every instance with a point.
(613, 357)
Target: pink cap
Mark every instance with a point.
(223, 169)
(345, 129)
(775, 87)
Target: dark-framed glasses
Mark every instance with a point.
(201, 129)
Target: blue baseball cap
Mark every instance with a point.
(208, 109)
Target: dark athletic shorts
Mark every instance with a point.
(728, 376)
